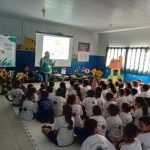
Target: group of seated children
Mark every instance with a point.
(102, 115)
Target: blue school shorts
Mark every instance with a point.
(52, 137)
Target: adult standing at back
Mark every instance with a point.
(46, 65)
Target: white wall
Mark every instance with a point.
(137, 37)
(18, 28)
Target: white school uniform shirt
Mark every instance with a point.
(139, 89)
(121, 100)
(133, 99)
(77, 110)
(129, 99)
(51, 95)
(84, 91)
(101, 124)
(100, 103)
(88, 103)
(95, 142)
(36, 97)
(72, 92)
(136, 145)
(144, 139)
(104, 92)
(80, 86)
(59, 102)
(70, 89)
(31, 109)
(114, 128)
(138, 114)
(126, 118)
(105, 108)
(65, 137)
(16, 95)
(145, 94)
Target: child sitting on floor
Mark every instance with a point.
(50, 91)
(76, 109)
(121, 99)
(45, 113)
(125, 114)
(16, 95)
(63, 86)
(112, 89)
(52, 84)
(42, 87)
(70, 89)
(94, 140)
(100, 100)
(104, 90)
(109, 101)
(145, 91)
(36, 96)
(142, 109)
(62, 134)
(59, 101)
(89, 102)
(85, 88)
(134, 94)
(131, 142)
(128, 96)
(114, 124)
(144, 136)
(101, 123)
(29, 108)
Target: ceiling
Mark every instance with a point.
(96, 15)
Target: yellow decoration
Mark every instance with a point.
(20, 75)
(3, 73)
(96, 72)
(115, 65)
(29, 43)
(99, 73)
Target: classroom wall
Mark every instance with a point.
(138, 37)
(19, 28)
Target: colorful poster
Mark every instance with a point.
(83, 51)
(29, 43)
(83, 56)
(7, 51)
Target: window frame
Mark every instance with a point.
(133, 71)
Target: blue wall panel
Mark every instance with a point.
(25, 58)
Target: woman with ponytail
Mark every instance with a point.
(142, 109)
(62, 134)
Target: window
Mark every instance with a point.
(137, 59)
(114, 53)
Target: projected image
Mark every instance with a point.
(57, 46)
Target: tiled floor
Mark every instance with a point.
(12, 133)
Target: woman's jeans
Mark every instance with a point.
(46, 78)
